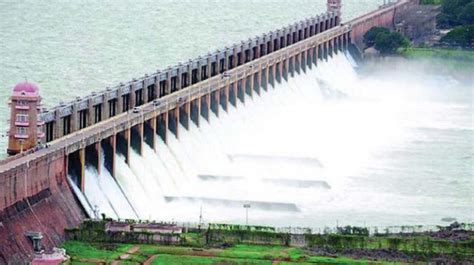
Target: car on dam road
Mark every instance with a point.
(137, 110)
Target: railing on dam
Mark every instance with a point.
(268, 66)
(84, 112)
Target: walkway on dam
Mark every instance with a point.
(79, 136)
(92, 134)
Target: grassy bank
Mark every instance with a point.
(94, 253)
(451, 54)
(234, 244)
(329, 249)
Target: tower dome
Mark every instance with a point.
(26, 87)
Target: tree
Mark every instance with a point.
(451, 11)
(462, 36)
(371, 35)
(466, 17)
(388, 43)
(443, 21)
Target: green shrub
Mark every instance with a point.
(371, 35)
(451, 13)
(388, 43)
(466, 17)
(462, 36)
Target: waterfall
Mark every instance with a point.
(387, 146)
(267, 151)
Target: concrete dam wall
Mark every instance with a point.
(36, 198)
(383, 17)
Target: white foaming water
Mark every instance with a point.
(96, 195)
(104, 195)
(305, 153)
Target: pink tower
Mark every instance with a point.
(26, 130)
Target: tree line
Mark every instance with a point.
(457, 15)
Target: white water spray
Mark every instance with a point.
(292, 153)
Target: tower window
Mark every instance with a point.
(22, 117)
(21, 131)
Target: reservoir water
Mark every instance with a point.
(390, 144)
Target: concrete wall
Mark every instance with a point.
(37, 198)
(30, 178)
(383, 17)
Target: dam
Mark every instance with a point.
(167, 144)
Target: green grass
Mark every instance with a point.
(86, 250)
(193, 239)
(453, 54)
(172, 259)
(166, 259)
(287, 255)
(256, 252)
(83, 253)
(87, 253)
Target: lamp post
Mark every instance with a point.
(247, 206)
